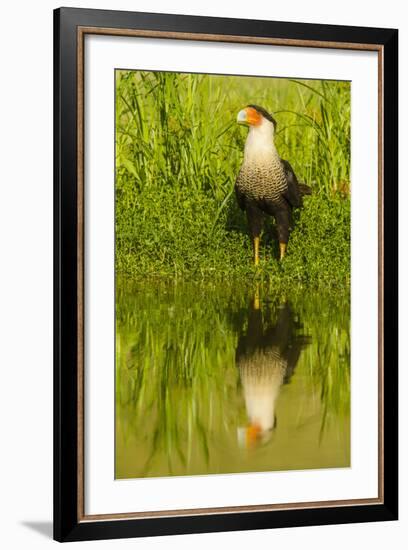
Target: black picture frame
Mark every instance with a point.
(68, 523)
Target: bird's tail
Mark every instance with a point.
(304, 189)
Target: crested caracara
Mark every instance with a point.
(266, 357)
(266, 184)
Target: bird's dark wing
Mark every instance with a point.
(240, 197)
(292, 193)
(292, 355)
(287, 338)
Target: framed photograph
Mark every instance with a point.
(225, 274)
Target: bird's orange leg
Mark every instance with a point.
(256, 250)
(282, 250)
(283, 224)
(257, 304)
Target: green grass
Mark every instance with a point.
(178, 151)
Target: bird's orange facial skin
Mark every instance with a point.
(252, 434)
(253, 117)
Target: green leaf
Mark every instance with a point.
(129, 166)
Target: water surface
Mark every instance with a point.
(214, 378)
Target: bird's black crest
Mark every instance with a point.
(264, 113)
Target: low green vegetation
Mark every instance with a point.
(178, 151)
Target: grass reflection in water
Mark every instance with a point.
(232, 378)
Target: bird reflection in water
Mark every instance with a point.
(267, 354)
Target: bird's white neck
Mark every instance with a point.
(260, 398)
(260, 145)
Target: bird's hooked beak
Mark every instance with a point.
(250, 117)
(242, 117)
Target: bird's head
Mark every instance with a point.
(254, 435)
(255, 116)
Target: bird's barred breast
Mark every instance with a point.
(262, 365)
(262, 181)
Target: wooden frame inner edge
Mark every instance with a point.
(226, 38)
(81, 32)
